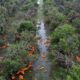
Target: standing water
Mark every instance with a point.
(41, 66)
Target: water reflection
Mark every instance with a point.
(41, 66)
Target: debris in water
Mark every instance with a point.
(37, 37)
(41, 68)
(43, 55)
(47, 42)
(49, 38)
(78, 58)
(47, 45)
(13, 77)
(45, 71)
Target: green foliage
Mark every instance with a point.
(74, 73)
(17, 53)
(11, 66)
(26, 25)
(28, 5)
(16, 59)
(2, 78)
(2, 31)
(69, 77)
(65, 38)
(53, 17)
(76, 22)
(60, 73)
(2, 42)
(65, 74)
(60, 16)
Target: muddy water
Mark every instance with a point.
(41, 66)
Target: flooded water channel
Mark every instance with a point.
(41, 66)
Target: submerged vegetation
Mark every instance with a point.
(19, 50)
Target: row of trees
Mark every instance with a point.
(21, 29)
(62, 21)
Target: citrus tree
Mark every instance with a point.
(65, 38)
(26, 25)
